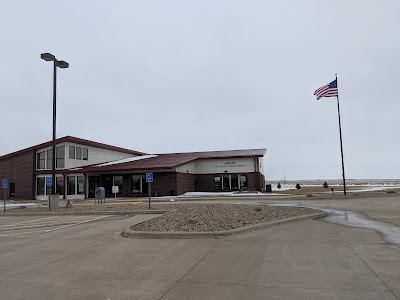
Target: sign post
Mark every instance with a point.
(4, 185)
(49, 184)
(149, 180)
(115, 190)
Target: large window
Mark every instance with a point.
(49, 154)
(230, 182)
(72, 152)
(41, 160)
(44, 159)
(78, 153)
(80, 185)
(217, 183)
(243, 181)
(60, 185)
(43, 190)
(136, 184)
(85, 154)
(139, 184)
(40, 186)
(71, 185)
(60, 155)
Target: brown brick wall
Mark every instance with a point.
(185, 183)
(253, 181)
(164, 184)
(19, 169)
(205, 183)
(172, 184)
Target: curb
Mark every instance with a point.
(50, 213)
(108, 204)
(129, 233)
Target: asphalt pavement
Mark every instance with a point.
(311, 259)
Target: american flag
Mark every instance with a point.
(328, 90)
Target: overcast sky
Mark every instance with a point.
(177, 76)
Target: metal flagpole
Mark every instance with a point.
(341, 143)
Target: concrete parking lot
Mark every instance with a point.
(311, 259)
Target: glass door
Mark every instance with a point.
(234, 182)
(94, 182)
(226, 186)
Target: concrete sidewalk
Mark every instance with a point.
(303, 260)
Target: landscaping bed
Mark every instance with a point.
(217, 217)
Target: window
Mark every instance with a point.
(41, 160)
(118, 181)
(49, 159)
(71, 185)
(217, 183)
(84, 153)
(12, 189)
(80, 185)
(72, 152)
(136, 184)
(78, 153)
(243, 181)
(60, 155)
(60, 185)
(40, 186)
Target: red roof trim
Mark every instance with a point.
(174, 160)
(76, 140)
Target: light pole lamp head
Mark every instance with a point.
(48, 57)
(62, 64)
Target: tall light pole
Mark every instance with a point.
(62, 65)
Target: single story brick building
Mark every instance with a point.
(83, 165)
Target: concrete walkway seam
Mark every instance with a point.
(50, 213)
(129, 233)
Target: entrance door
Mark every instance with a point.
(94, 182)
(226, 184)
(108, 183)
(234, 182)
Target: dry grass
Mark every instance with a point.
(316, 189)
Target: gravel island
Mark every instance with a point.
(217, 217)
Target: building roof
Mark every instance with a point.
(170, 160)
(71, 139)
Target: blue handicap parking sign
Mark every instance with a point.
(49, 181)
(149, 177)
(4, 183)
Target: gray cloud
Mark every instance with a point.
(172, 76)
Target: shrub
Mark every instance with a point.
(279, 185)
(298, 186)
(325, 185)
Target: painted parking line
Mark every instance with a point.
(45, 222)
(40, 226)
